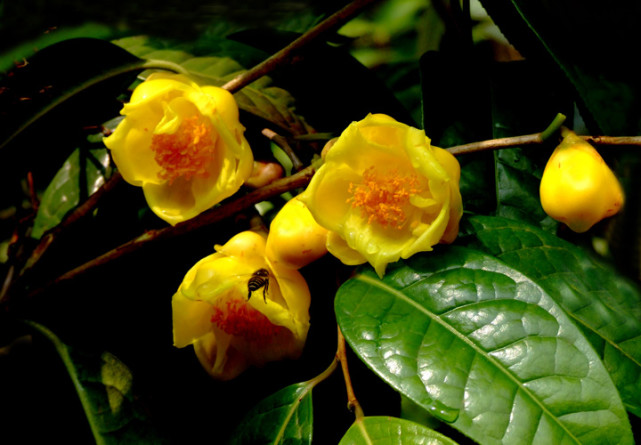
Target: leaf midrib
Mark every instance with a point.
(377, 283)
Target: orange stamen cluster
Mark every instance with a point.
(239, 318)
(187, 152)
(384, 197)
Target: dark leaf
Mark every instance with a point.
(525, 100)
(49, 84)
(332, 88)
(105, 387)
(590, 42)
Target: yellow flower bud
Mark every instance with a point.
(240, 310)
(385, 193)
(295, 239)
(183, 144)
(578, 188)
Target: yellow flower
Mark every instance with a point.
(295, 239)
(183, 144)
(239, 310)
(385, 193)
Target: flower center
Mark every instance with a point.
(240, 319)
(383, 197)
(185, 153)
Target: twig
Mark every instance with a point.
(532, 139)
(352, 401)
(84, 209)
(282, 143)
(496, 144)
(210, 217)
(286, 54)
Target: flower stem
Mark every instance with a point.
(352, 401)
(286, 54)
(553, 127)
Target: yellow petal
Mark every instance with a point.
(191, 319)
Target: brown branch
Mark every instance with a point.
(76, 215)
(352, 401)
(288, 53)
(533, 139)
(210, 217)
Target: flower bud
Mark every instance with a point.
(295, 239)
(578, 188)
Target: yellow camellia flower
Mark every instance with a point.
(239, 310)
(385, 193)
(183, 144)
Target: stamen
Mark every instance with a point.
(187, 152)
(240, 319)
(384, 197)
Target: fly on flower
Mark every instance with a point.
(230, 331)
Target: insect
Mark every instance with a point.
(259, 279)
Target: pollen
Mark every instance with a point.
(240, 319)
(384, 197)
(187, 152)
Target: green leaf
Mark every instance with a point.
(284, 417)
(573, 37)
(105, 387)
(603, 304)
(480, 345)
(391, 431)
(270, 103)
(80, 176)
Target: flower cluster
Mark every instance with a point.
(382, 194)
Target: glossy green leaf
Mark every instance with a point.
(480, 345)
(260, 98)
(602, 303)
(381, 430)
(80, 176)
(105, 387)
(285, 417)
(589, 41)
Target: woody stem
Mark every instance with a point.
(287, 54)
